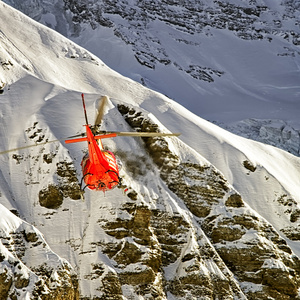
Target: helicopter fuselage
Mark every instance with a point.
(100, 170)
(100, 178)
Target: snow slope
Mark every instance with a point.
(44, 75)
(225, 61)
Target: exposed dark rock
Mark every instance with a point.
(111, 287)
(5, 284)
(52, 281)
(248, 165)
(31, 237)
(234, 200)
(51, 197)
(293, 233)
(68, 182)
(18, 158)
(171, 233)
(20, 281)
(295, 215)
(66, 289)
(48, 158)
(135, 246)
(15, 212)
(68, 186)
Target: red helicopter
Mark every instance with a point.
(100, 171)
(99, 166)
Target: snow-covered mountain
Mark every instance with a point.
(232, 62)
(208, 215)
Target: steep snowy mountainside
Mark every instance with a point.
(29, 268)
(209, 213)
(224, 60)
(278, 133)
(244, 164)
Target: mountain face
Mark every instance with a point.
(29, 268)
(232, 62)
(209, 215)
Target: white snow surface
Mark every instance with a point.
(260, 76)
(253, 67)
(45, 73)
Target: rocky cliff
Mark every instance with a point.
(29, 268)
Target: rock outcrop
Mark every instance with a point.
(258, 258)
(28, 267)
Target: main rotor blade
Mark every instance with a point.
(41, 144)
(102, 103)
(136, 133)
(29, 146)
(131, 133)
(143, 134)
(83, 134)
